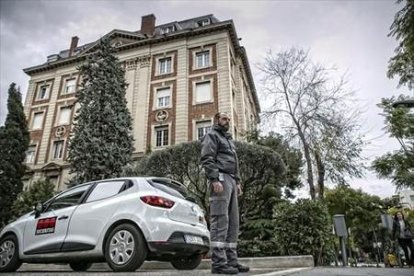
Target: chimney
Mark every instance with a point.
(148, 25)
(73, 45)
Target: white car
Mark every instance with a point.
(122, 221)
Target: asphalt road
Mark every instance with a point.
(355, 271)
(318, 271)
(137, 273)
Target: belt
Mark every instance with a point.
(230, 174)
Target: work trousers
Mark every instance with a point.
(224, 223)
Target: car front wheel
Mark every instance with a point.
(187, 262)
(9, 254)
(125, 248)
(80, 266)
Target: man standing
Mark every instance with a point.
(220, 163)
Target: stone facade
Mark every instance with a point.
(178, 78)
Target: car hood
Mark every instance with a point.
(11, 224)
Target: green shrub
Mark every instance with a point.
(304, 228)
(258, 248)
(261, 171)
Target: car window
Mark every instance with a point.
(69, 198)
(169, 187)
(105, 190)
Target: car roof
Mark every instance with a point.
(100, 180)
(124, 178)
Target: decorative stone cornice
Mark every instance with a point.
(144, 61)
(131, 64)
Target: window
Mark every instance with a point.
(70, 86)
(57, 151)
(203, 92)
(161, 136)
(412, 198)
(30, 154)
(64, 115)
(203, 22)
(105, 190)
(68, 198)
(168, 29)
(164, 65)
(163, 97)
(43, 92)
(37, 120)
(203, 59)
(171, 187)
(202, 129)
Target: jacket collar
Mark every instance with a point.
(222, 131)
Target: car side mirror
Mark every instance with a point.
(38, 209)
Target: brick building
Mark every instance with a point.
(179, 74)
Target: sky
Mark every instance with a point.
(350, 35)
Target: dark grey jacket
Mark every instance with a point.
(218, 154)
(396, 229)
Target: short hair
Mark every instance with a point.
(217, 116)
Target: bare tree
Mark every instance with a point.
(314, 110)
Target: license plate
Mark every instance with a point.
(193, 239)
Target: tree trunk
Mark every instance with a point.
(309, 170)
(321, 174)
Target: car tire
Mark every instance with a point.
(9, 246)
(187, 262)
(125, 248)
(80, 266)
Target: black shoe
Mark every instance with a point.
(224, 270)
(242, 268)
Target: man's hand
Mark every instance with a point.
(239, 189)
(217, 186)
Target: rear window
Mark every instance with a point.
(170, 187)
(105, 190)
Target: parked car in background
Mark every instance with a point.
(122, 221)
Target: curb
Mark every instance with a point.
(294, 262)
(262, 262)
(286, 271)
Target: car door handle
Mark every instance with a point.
(63, 217)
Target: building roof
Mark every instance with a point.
(178, 29)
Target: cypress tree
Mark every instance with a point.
(101, 143)
(14, 140)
